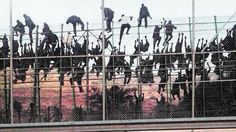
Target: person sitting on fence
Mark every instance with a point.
(109, 14)
(31, 25)
(125, 24)
(19, 28)
(169, 30)
(143, 14)
(74, 20)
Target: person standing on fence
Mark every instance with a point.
(74, 20)
(144, 13)
(124, 24)
(19, 28)
(156, 36)
(29, 23)
(169, 30)
(109, 14)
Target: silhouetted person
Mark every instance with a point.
(143, 14)
(79, 73)
(156, 36)
(128, 73)
(46, 30)
(30, 24)
(109, 15)
(5, 47)
(19, 28)
(175, 89)
(74, 20)
(234, 31)
(97, 50)
(106, 40)
(32, 112)
(169, 30)
(124, 24)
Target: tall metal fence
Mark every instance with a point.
(63, 82)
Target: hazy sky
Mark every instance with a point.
(55, 12)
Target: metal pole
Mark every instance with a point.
(103, 67)
(193, 58)
(60, 69)
(219, 67)
(113, 78)
(37, 75)
(190, 29)
(11, 62)
(216, 29)
(87, 67)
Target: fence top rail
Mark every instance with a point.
(152, 25)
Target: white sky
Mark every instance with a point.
(55, 12)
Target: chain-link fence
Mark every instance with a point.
(61, 80)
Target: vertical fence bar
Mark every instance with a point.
(11, 63)
(193, 58)
(60, 70)
(87, 67)
(216, 29)
(36, 81)
(220, 74)
(114, 77)
(103, 67)
(5, 90)
(190, 29)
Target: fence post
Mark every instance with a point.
(11, 64)
(193, 58)
(216, 29)
(60, 69)
(36, 79)
(87, 67)
(220, 74)
(190, 29)
(103, 67)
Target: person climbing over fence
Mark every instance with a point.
(169, 30)
(124, 24)
(74, 20)
(30, 24)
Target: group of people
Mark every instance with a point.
(50, 46)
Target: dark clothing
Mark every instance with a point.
(21, 29)
(156, 36)
(109, 14)
(128, 74)
(169, 30)
(31, 25)
(234, 32)
(74, 20)
(46, 30)
(143, 14)
(5, 47)
(123, 26)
